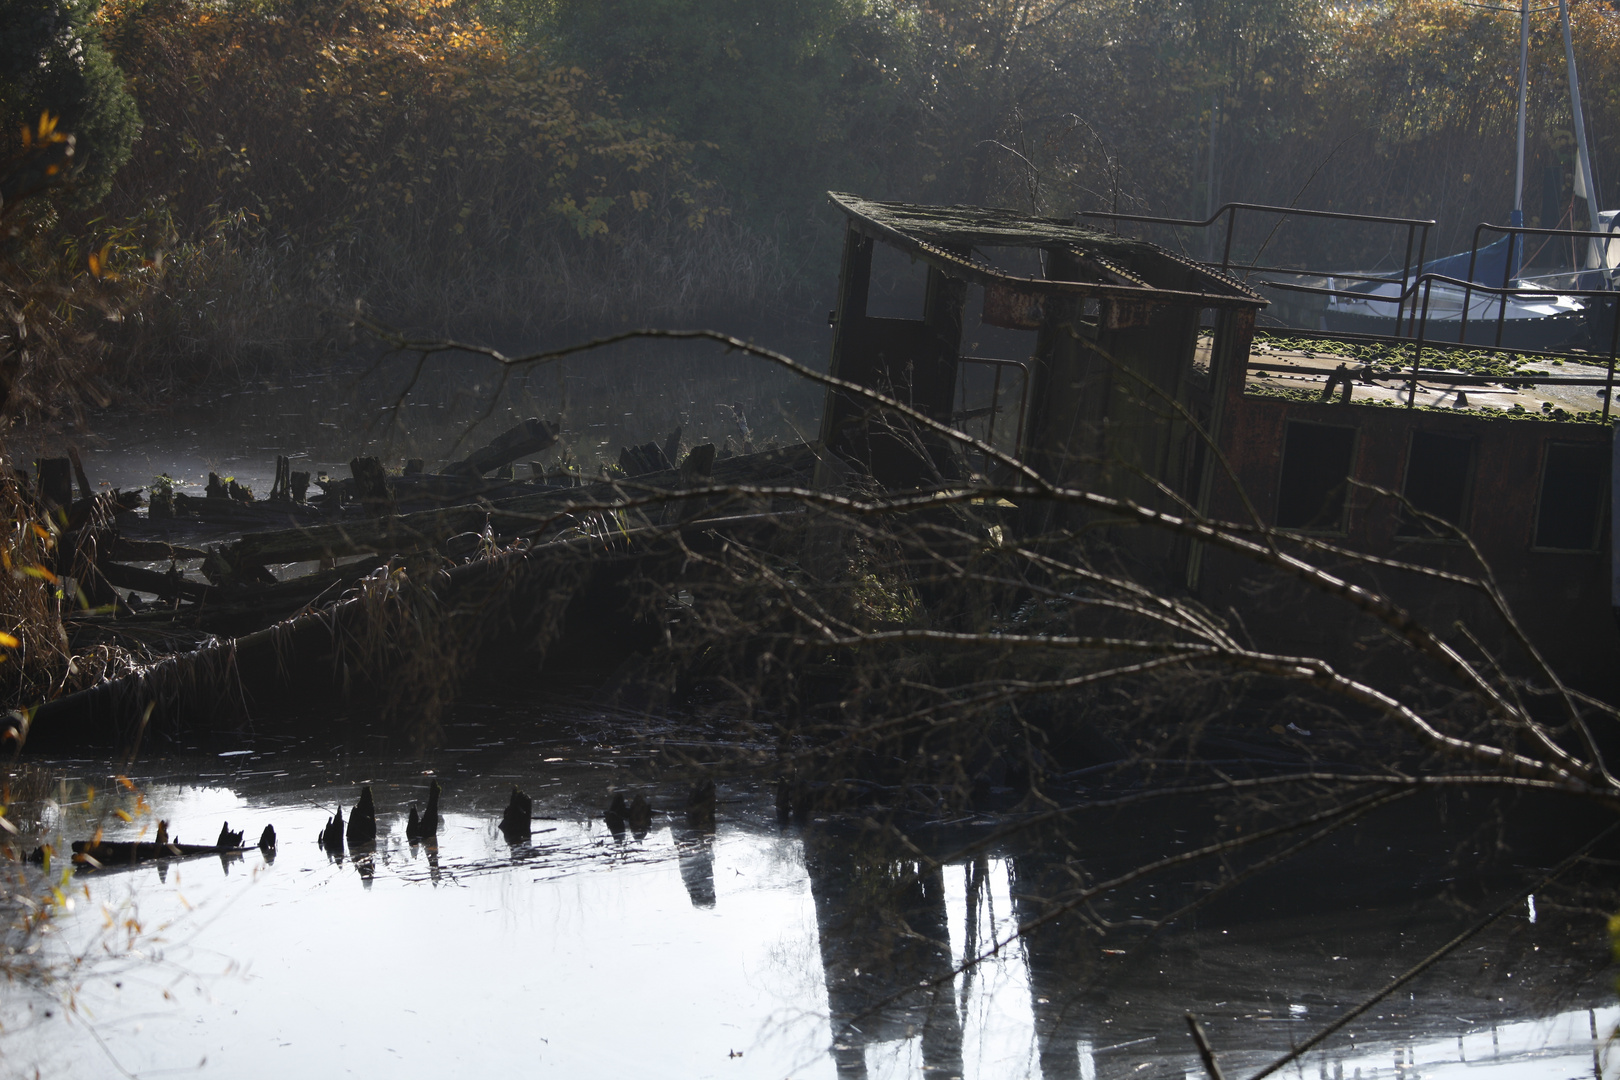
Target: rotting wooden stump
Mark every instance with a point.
(363, 822)
(615, 816)
(425, 827)
(331, 837)
(517, 823)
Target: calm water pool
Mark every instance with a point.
(761, 951)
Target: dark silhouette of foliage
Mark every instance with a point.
(52, 60)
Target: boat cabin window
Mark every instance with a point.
(1002, 329)
(1574, 477)
(899, 284)
(1439, 481)
(1316, 464)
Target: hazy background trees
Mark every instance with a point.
(524, 169)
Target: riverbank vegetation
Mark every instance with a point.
(513, 170)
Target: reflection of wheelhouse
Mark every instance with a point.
(1097, 358)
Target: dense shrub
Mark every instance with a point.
(51, 59)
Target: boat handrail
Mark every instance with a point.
(1426, 283)
(1423, 280)
(1414, 226)
(1513, 232)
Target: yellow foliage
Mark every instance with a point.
(406, 116)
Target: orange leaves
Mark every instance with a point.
(45, 134)
(98, 263)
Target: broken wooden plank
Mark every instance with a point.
(167, 586)
(529, 437)
(229, 511)
(128, 550)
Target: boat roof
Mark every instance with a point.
(947, 237)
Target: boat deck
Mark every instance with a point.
(1273, 368)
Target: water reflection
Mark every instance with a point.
(885, 948)
(819, 952)
(696, 852)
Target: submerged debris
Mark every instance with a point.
(617, 813)
(332, 834)
(455, 535)
(97, 853)
(427, 826)
(516, 824)
(363, 822)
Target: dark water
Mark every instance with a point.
(763, 950)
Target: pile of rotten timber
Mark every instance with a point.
(242, 593)
(533, 569)
(485, 474)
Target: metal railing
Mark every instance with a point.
(1425, 283)
(1417, 231)
(1514, 232)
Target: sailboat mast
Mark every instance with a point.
(1583, 163)
(1524, 92)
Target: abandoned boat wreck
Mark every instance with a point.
(1143, 379)
(1113, 367)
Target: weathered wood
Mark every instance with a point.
(517, 824)
(85, 490)
(332, 834)
(55, 481)
(699, 463)
(617, 813)
(371, 486)
(128, 550)
(91, 854)
(166, 586)
(643, 459)
(114, 853)
(428, 528)
(529, 437)
(235, 609)
(281, 487)
(363, 822)
(253, 669)
(425, 827)
(639, 817)
(254, 515)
